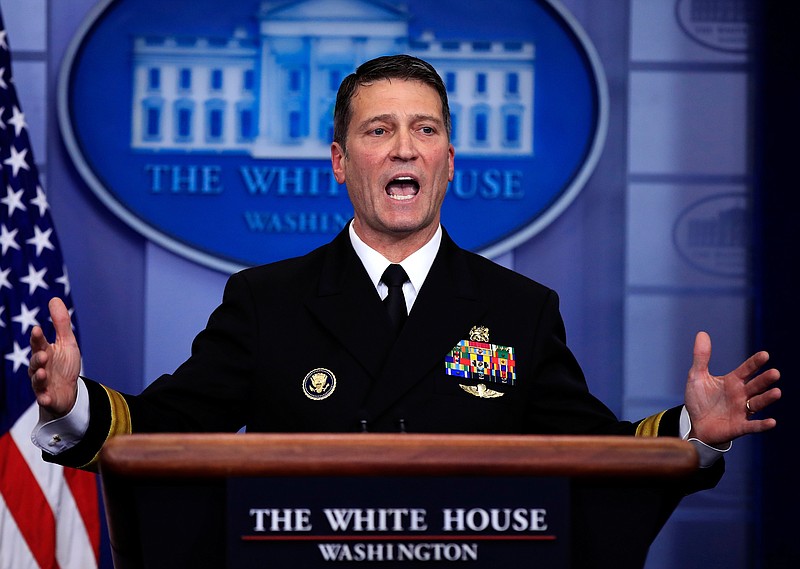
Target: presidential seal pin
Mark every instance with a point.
(319, 383)
(481, 391)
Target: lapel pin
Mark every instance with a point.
(319, 383)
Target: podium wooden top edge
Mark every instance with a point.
(376, 454)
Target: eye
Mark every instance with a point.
(379, 131)
(427, 130)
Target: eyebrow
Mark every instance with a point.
(389, 117)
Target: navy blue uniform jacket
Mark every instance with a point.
(278, 322)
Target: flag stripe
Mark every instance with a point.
(83, 486)
(14, 552)
(74, 547)
(48, 477)
(27, 504)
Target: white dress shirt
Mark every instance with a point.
(417, 265)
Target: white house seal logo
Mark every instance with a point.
(713, 235)
(722, 25)
(207, 126)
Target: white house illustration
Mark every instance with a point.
(269, 92)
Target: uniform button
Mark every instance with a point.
(54, 440)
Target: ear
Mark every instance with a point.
(452, 159)
(338, 160)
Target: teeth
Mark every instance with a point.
(410, 185)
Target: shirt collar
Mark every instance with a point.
(417, 265)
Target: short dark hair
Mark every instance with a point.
(404, 67)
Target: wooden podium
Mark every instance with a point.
(166, 494)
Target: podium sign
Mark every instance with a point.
(378, 522)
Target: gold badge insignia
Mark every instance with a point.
(481, 391)
(479, 334)
(319, 383)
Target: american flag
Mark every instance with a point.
(49, 515)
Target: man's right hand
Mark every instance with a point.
(54, 368)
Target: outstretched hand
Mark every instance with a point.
(721, 408)
(54, 368)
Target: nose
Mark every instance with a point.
(404, 147)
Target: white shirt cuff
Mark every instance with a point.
(54, 436)
(708, 455)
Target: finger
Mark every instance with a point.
(38, 361)
(38, 341)
(701, 354)
(759, 402)
(43, 399)
(759, 426)
(39, 381)
(61, 320)
(751, 365)
(762, 382)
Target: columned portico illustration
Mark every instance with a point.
(269, 91)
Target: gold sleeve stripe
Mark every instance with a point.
(649, 427)
(120, 414)
(120, 421)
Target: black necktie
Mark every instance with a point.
(393, 277)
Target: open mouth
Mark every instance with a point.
(402, 188)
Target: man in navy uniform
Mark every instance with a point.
(459, 345)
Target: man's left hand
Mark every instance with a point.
(721, 408)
